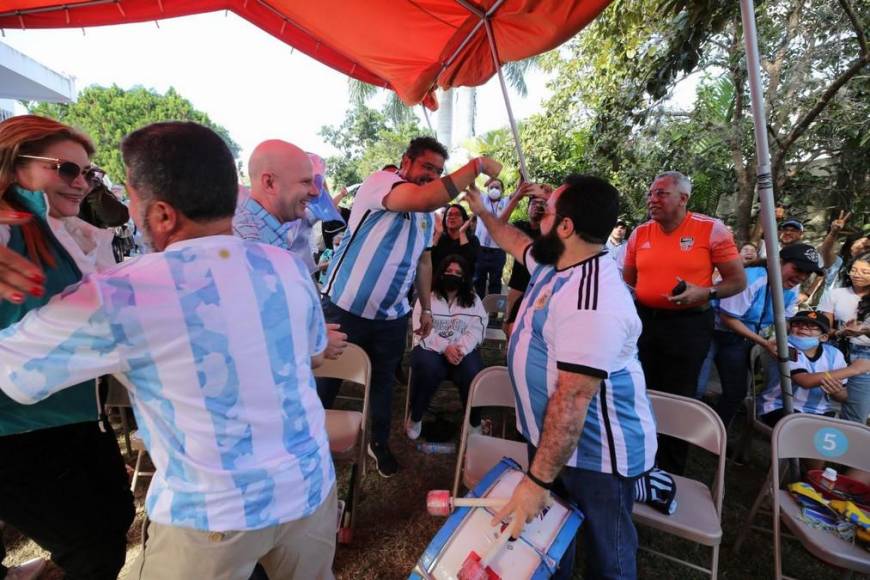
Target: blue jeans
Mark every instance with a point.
(609, 536)
(487, 271)
(384, 342)
(732, 362)
(857, 406)
(706, 370)
(430, 368)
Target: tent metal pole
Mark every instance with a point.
(428, 122)
(524, 173)
(764, 185)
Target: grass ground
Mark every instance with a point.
(393, 527)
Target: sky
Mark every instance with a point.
(243, 78)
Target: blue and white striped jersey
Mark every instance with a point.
(373, 268)
(828, 358)
(582, 319)
(754, 305)
(213, 339)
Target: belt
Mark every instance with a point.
(485, 249)
(664, 313)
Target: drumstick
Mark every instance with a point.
(474, 567)
(439, 502)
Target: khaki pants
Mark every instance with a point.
(301, 549)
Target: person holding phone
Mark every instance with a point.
(677, 245)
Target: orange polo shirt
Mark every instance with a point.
(689, 252)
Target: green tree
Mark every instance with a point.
(366, 140)
(107, 114)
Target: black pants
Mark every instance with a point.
(487, 271)
(66, 488)
(672, 348)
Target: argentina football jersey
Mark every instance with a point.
(582, 319)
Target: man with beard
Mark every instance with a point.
(669, 261)
(581, 397)
(385, 249)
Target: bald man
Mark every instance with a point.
(282, 186)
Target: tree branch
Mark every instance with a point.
(856, 25)
(820, 105)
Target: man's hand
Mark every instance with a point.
(425, 325)
(853, 330)
(336, 341)
(18, 276)
(490, 166)
(770, 347)
(528, 500)
(475, 201)
(454, 354)
(838, 224)
(692, 295)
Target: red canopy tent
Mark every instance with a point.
(414, 46)
(408, 46)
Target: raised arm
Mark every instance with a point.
(436, 193)
(509, 238)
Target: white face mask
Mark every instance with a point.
(493, 193)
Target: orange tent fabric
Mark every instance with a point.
(404, 45)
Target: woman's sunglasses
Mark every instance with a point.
(69, 171)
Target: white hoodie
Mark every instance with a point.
(452, 324)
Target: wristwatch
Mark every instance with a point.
(427, 311)
(714, 293)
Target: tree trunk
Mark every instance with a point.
(444, 128)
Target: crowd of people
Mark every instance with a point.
(215, 332)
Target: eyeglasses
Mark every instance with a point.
(807, 326)
(69, 171)
(432, 168)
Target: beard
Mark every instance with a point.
(548, 248)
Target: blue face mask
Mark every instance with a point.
(803, 342)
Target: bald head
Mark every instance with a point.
(282, 179)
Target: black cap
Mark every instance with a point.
(803, 256)
(792, 223)
(812, 317)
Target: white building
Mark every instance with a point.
(24, 79)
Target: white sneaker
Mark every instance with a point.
(26, 571)
(413, 429)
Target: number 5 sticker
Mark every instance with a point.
(831, 442)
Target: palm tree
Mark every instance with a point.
(360, 92)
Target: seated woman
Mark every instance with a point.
(450, 350)
(818, 371)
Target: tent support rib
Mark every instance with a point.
(507, 101)
(764, 186)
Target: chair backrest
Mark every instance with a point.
(495, 303)
(807, 436)
(689, 420)
(695, 422)
(492, 388)
(353, 365)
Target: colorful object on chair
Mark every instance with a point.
(468, 547)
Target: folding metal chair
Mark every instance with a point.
(806, 436)
(479, 453)
(699, 508)
(347, 430)
(758, 361)
(495, 304)
(118, 398)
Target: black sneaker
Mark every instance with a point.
(385, 463)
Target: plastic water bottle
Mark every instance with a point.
(436, 448)
(829, 478)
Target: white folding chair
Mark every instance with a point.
(347, 430)
(806, 436)
(117, 398)
(495, 304)
(699, 508)
(479, 453)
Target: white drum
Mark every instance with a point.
(535, 554)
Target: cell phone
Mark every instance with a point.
(792, 354)
(679, 288)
